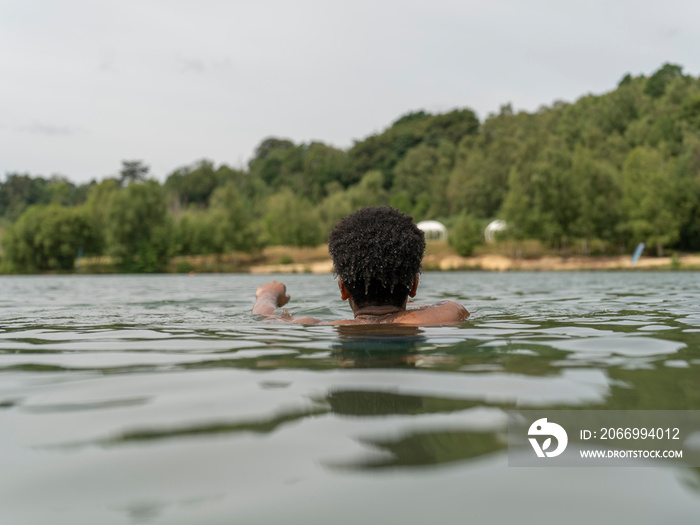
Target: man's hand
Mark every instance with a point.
(277, 290)
(269, 297)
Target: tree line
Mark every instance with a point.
(605, 172)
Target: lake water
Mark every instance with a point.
(162, 400)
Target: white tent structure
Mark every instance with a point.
(493, 227)
(433, 230)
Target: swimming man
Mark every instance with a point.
(377, 254)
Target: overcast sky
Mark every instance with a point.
(87, 83)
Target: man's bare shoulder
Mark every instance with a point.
(443, 313)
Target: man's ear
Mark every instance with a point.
(414, 287)
(344, 294)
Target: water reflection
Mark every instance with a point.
(449, 438)
(370, 346)
(372, 404)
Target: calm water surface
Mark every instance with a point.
(160, 399)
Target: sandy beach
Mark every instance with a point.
(500, 263)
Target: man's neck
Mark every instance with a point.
(376, 310)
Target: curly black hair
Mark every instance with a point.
(377, 252)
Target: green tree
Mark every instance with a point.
(270, 146)
(322, 165)
(133, 171)
(415, 172)
(19, 191)
(544, 201)
(47, 237)
(600, 197)
(274, 161)
(402, 201)
(465, 235)
(656, 85)
(193, 184)
(193, 233)
(688, 174)
(452, 126)
(137, 228)
(383, 151)
(233, 226)
(420, 179)
(368, 192)
(478, 182)
(334, 207)
(98, 198)
(291, 221)
(650, 199)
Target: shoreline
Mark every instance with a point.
(500, 263)
(287, 260)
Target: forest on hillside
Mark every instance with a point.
(605, 172)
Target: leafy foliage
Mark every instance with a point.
(465, 235)
(611, 170)
(132, 171)
(137, 228)
(48, 237)
(291, 221)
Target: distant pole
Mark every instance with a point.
(638, 253)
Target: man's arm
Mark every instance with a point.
(271, 296)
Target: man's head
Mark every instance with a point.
(377, 253)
